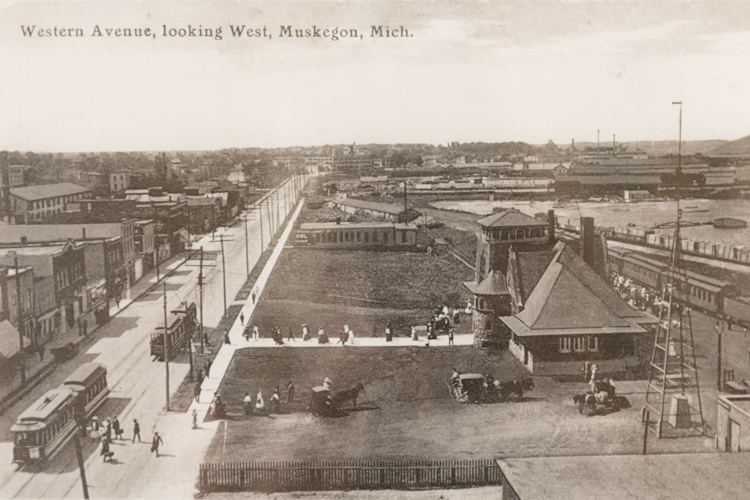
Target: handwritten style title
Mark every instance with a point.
(235, 31)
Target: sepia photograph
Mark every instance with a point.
(374, 249)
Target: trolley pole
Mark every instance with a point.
(166, 346)
(223, 272)
(200, 297)
(80, 429)
(247, 250)
(19, 303)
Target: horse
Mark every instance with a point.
(517, 387)
(341, 397)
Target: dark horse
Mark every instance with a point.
(517, 387)
(341, 397)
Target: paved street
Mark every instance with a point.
(138, 384)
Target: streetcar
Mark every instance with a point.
(45, 426)
(182, 323)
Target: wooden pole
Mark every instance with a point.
(166, 346)
(80, 427)
(19, 299)
(200, 297)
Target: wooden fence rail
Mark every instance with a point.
(343, 475)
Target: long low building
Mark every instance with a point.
(356, 235)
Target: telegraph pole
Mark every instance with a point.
(247, 250)
(80, 429)
(166, 346)
(270, 222)
(260, 219)
(200, 297)
(223, 271)
(19, 300)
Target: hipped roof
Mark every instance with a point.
(571, 298)
(493, 284)
(510, 218)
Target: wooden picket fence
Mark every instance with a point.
(346, 475)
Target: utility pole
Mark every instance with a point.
(166, 345)
(270, 222)
(223, 271)
(200, 297)
(719, 330)
(190, 338)
(80, 429)
(247, 250)
(19, 299)
(260, 219)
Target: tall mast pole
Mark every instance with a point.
(166, 345)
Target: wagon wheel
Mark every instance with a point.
(459, 395)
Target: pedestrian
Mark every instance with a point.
(468, 307)
(277, 336)
(116, 428)
(290, 393)
(256, 334)
(105, 453)
(85, 325)
(246, 333)
(242, 319)
(201, 376)
(226, 337)
(136, 430)
(343, 337)
(155, 442)
(207, 367)
(305, 332)
(95, 428)
(80, 327)
(291, 334)
(275, 404)
(349, 334)
(206, 340)
(456, 316)
(259, 403)
(41, 353)
(414, 335)
(388, 334)
(327, 384)
(322, 336)
(108, 429)
(118, 298)
(197, 391)
(253, 297)
(247, 403)
(450, 337)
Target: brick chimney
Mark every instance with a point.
(587, 241)
(552, 223)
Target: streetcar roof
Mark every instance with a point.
(46, 405)
(470, 376)
(82, 375)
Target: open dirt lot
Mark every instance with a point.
(406, 411)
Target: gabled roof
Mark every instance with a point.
(44, 191)
(493, 284)
(510, 218)
(531, 267)
(571, 298)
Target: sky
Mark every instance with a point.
(468, 72)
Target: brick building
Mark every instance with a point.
(36, 203)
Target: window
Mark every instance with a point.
(593, 343)
(564, 344)
(367, 237)
(578, 344)
(359, 236)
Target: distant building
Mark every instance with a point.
(347, 235)
(9, 303)
(383, 211)
(118, 181)
(636, 194)
(33, 203)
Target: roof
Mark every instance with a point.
(618, 477)
(531, 267)
(46, 405)
(571, 296)
(12, 233)
(310, 226)
(44, 191)
(82, 374)
(493, 284)
(510, 218)
(388, 208)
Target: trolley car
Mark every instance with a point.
(45, 426)
(182, 323)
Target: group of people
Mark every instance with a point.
(258, 407)
(111, 429)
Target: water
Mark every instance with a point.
(645, 214)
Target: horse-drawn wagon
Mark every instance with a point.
(602, 397)
(477, 388)
(325, 404)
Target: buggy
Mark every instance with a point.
(65, 352)
(321, 404)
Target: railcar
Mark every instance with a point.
(182, 323)
(45, 426)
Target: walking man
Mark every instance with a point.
(155, 442)
(242, 319)
(248, 404)
(450, 336)
(136, 430)
(256, 334)
(246, 333)
(291, 334)
(290, 393)
(226, 337)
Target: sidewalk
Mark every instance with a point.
(38, 368)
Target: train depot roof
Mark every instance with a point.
(511, 217)
(571, 298)
(685, 476)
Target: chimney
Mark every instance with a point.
(587, 241)
(552, 224)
